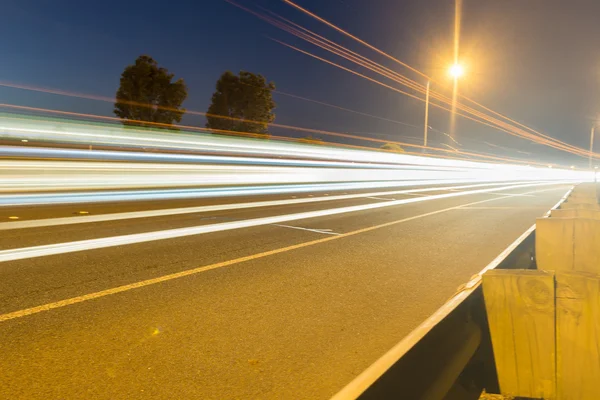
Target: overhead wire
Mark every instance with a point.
(352, 56)
(579, 151)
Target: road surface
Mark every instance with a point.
(294, 309)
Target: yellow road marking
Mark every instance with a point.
(194, 271)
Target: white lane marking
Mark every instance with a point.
(91, 244)
(412, 194)
(164, 278)
(221, 207)
(378, 198)
(515, 195)
(325, 231)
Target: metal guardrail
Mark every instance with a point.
(448, 356)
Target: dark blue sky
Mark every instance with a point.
(537, 61)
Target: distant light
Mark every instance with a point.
(572, 167)
(456, 71)
(549, 166)
(24, 140)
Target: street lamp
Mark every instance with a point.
(456, 71)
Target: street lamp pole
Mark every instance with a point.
(426, 127)
(591, 145)
(456, 71)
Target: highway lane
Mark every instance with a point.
(61, 224)
(43, 211)
(293, 323)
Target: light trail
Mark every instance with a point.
(59, 131)
(223, 207)
(33, 153)
(8, 200)
(91, 244)
(35, 176)
(266, 168)
(28, 176)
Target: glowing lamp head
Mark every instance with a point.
(456, 71)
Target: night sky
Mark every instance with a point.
(537, 61)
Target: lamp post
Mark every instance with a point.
(455, 71)
(591, 145)
(426, 127)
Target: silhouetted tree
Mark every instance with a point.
(147, 93)
(242, 103)
(392, 147)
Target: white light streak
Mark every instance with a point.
(82, 245)
(220, 207)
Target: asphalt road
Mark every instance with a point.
(267, 311)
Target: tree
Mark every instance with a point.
(311, 140)
(147, 93)
(392, 147)
(242, 103)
